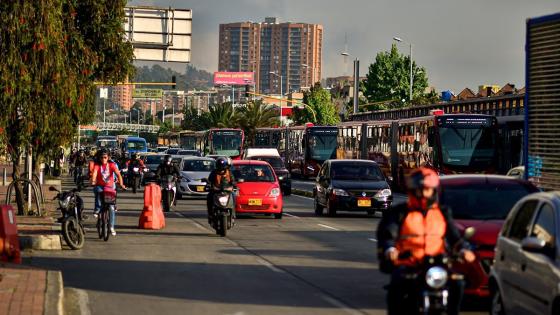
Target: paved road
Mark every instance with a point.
(301, 264)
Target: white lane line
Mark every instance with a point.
(338, 304)
(372, 239)
(269, 265)
(291, 215)
(198, 225)
(308, 198)
(328, 227)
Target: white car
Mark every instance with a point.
(195, 171)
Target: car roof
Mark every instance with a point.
(250, 162)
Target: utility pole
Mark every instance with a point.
(356, 84)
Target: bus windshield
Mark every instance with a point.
(226, 143)
(106, 143)
(136, 145)
(468, 147)
(188, 142)
(322, 146)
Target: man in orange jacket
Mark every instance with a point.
(415, 230)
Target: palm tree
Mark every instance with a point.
(256, 115)
(221, 116)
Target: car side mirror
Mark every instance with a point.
(533, 244)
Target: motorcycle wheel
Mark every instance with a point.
(134, 185)
(223, 225)
(165, 201)
(73, 233)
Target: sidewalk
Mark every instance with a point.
(26, 290)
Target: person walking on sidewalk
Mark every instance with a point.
(103, 176)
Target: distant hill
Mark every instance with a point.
(193, 78)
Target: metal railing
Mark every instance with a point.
(130, 127)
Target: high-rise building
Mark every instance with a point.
(122, 95)
(291, 50)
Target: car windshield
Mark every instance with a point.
(154, 159)
(198, 165)
(161, 149)
(136, 145)
(468, 147)
(356, 171)
(253, 173)
(483, 201)
(322, 146)
(187, 152)
(275, 162)
(172, 151)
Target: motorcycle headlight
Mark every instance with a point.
(63, 203)
(436, 277)
(339, 192)
(223, 200)
(275, 192)
(382, 194)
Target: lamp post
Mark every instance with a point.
(281, 94)
(398, 39)
(356, 80)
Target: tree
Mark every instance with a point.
(191, 79)
(222, 116)
(192, 120)
(319, 108)
(388, 79)
(53, 51)
(256, 115)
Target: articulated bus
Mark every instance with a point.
(221, 141)
(308, 147)
(169, 139)
(449, 143)
(269, 138)
(188, 140)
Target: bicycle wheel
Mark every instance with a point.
(105, 225)
(99, 231)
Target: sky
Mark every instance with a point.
(460, 43)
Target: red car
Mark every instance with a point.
(483, 202)
(259, 189)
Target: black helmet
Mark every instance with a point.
(222, 163)
(134, 156)
(167, 159)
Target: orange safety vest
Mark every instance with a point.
(422, 235)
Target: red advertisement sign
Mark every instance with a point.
(235, 78)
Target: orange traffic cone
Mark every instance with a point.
(152, 217)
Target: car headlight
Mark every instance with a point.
(63, 203)
(339, 192)
(436, 277)
(275, 192)
(382, 194)
(223, 200)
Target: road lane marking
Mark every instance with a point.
(328, 227)
(372, 239)
(269, 265)
(198, 225)
(291, 215)
(347, 309)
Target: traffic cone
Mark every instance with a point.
(152, 215)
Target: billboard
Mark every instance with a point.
(235, 78)
(159, 34)
(147, 93)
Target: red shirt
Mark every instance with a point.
(105, 174)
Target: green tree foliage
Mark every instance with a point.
(388, 79)
(257, 115)
(191, 79)
(53, 51)
(319, 108)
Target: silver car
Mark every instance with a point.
(525, 278)
(195, 171)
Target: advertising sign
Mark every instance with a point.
(235, 78)
(147, 93)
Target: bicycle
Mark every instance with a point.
(109, 201)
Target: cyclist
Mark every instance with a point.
(103, 176)
(79, 162)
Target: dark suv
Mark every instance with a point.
(280, 170)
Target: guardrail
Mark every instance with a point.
(130, 127)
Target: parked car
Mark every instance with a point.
(517, 172)
(195, 172)
(189, 152)
(351, 185)
(280, 169)
(483, 202)
(525, 278)
(259, 189)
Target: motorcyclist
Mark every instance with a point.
(134, 161)
(166, 167)
(414, 230)
(220, 179)
(103, 176)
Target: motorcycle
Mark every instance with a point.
(168, 191)
(222, 214)
(71, 206)
(134, 177)
(432, 282)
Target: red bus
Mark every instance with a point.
(449, 143)
(221, 142)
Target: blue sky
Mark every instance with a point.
(460, 43)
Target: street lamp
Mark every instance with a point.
(398, 39)
(281, 94)
(356, 80)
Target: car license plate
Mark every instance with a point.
(364, 202)
(200, 188)
(255, 202)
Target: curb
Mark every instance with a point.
(54, 296)
(40, 242)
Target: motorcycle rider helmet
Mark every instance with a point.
(167, 159)
(222, 164)
(420, 179)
